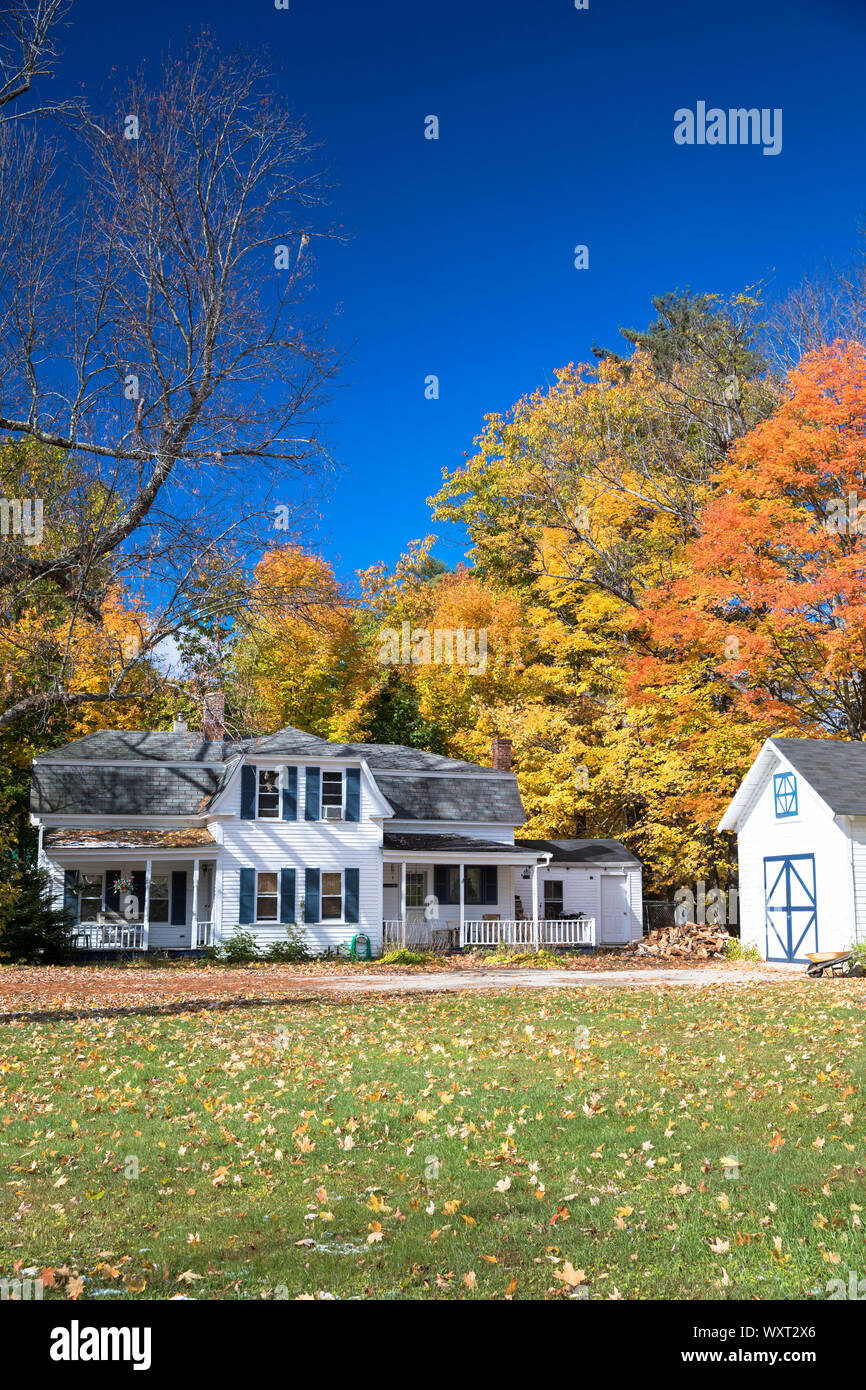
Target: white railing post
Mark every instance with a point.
(193, 930)
(217, 911)
(145, 930)
(403, 937)
(535, 923)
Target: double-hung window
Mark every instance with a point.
(90, 888)
(332, 795)
(332, 897)
(159, 898)
(269, 793)
(416, 888)
(553, 897)
(480, 884)
(266, 897)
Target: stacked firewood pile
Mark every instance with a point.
(689, 940)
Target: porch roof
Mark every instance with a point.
(450, 844)
(101, 837)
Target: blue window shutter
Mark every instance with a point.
(311, 809)
(139, 888)
(352, 885)
(70, 892)
(248, 792)
(287, 895)
(178, 898)
(112, 897)
(489, 885)
(311, 895)
(353, 793)
(247, 898)
(290, 794)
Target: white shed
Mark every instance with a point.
(800, 819)
(599, 878)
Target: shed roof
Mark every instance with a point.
(834, 768)
(583, 851)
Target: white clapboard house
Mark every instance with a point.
(175, 841)
(800, 820)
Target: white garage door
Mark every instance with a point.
(615, 916)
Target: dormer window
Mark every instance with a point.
(269, 793)
(785, 794)
(332, 796)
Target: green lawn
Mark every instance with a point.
(679, 1143)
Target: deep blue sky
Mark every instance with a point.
(556, 129)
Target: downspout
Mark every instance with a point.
(546, 855)
(849, 823)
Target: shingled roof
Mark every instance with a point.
(99, 790)
(130, 745)
(582, 851)
(123, 772)
(452, 843)
(834, 768)
(481, 799)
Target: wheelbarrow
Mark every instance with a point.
(830, 963)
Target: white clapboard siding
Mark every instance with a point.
(270, 845)
(812, 831)
(582, 893)
(857, 826)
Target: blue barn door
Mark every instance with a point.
(791, 906)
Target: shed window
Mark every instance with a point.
(785, 793)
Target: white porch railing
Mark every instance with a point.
(204, 934)
(402, 931)
(110, 936)
(555, 931)
(514, 932)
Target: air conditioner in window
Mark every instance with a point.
(333, 812)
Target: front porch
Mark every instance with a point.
(464, 894)
(132, 900)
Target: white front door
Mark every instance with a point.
(615, 911)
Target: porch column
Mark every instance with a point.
(462, 895)
(403, 902)
(193, 934)
(145, 930)
(535, 927)
(217, 932)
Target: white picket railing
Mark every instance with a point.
(578, 931)
(402, 931)
(514, 932)
(556, 931)
(110, 936)
(204, 934)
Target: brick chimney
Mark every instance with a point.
(214, 722)
(500, 750)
